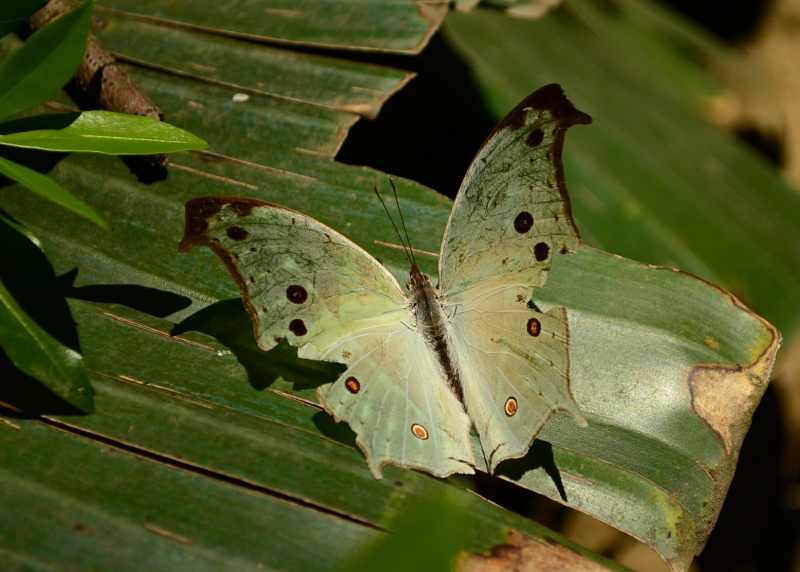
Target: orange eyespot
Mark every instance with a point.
(419, 431)
(352, 385)
(511, 407)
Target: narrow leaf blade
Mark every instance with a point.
(99, 132)
(50, 189)
(45, 63)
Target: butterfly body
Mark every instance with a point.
(434, 324)
(425, 366)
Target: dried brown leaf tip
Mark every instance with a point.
(523, 553)
(726, 397)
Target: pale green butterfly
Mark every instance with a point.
(425, 364)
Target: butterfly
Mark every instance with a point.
(425, 365)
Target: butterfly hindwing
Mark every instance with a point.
(514, 367)
(400, 406)
(303, 281)
(510, 218)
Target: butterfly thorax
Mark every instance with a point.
(432, 322)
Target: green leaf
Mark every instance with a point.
(667, 368)
(46, 61)
(38, 354)
(98, 132)
(402, 26)
(12, 14)
(651, 179)
(48, 188)
(444, 523)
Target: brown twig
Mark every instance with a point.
(101, 81)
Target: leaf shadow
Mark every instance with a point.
(539, 456)
(159, 303)
(340, 431)
(228, 322)
(519, 499)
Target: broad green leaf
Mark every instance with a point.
(667, 367)
(297, 480)
(71, 501)
(650, 179)
(399, 26)
(652, 454)
(37, 353)
(98, 132)
(47, 60)
(12, 14)
(48, 188)
(335, 83)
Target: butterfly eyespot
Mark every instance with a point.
(419, 432)
(296, 294)
(352, 385)
(298, 327)
(534, 327)
(523, 222)
(535, 137)
(541, 251)
(237, 233)
(511, 407)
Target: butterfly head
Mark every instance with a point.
(418, 281)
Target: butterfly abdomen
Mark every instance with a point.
(432, 322)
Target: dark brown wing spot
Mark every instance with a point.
(237, 233)
(541, 251)
(419, 431)
(252, 279)
(535, 137)
(511, 407)
(296, 294)
(352, 385)
(298, 327)
(346, 355)
(534, 327)
(523, 222)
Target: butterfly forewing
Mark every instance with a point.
(303, 281)
(512, 215)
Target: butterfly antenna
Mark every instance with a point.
(406, 248)
(402, 221)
